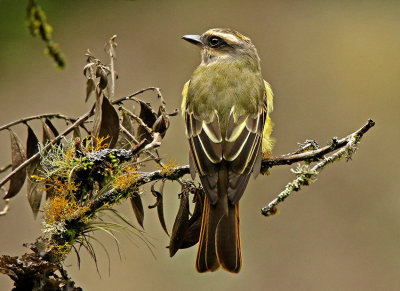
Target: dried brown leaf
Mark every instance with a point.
(34, 192)
(32, 146)
(88, 69)
(161, 125)
(109, 123)
(51, 126)
(160, 207)
(198, 199)
(181, 225)
(137, 207)
(193, 232)
(148, 116)
(48, 134)
(17, 158)
(97, 115)
(90, 88)
(100, 72)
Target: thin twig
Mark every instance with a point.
(131, 97)
(111, 52)
(26, 119)
(128, 134)
(307, 175)
(139, 147)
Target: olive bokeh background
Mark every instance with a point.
(331, 64)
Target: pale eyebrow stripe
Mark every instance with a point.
(226, 36)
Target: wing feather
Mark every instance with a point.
(205, 144)
(239, 147)
(243, 152)
(209, 147)
(233, 149)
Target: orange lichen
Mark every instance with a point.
(61, 207)
(69, 156)
(95, 143)
(169, 168)
(60, 187)
(126, 178)
(61, 250)
(266, 155)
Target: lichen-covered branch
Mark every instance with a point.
(306, 175)
(346, 146)
(307, 155)
(286, 159)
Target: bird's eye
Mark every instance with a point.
(215, 41)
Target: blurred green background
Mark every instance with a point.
(332, 65)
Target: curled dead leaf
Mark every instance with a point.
(34, 189)
(17, 157)
(137, 207)
(181, 225)
(160, 206)
(109, 123)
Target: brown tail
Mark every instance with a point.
(219, 242)
(228, 240)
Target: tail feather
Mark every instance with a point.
(206, 254)
(228, 247)
(219, 242)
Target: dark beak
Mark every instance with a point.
(193, 38)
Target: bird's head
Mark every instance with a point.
(223, 44)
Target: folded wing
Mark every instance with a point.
(239, 147)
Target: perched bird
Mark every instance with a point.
(226, 106)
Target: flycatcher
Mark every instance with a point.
(226, 105)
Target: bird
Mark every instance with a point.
(226, 106)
